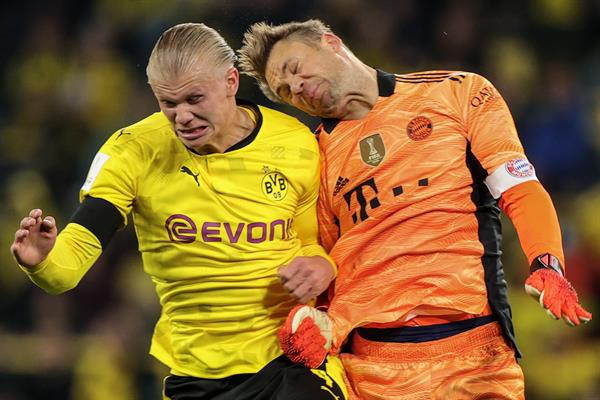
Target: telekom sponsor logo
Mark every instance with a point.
(183, 229)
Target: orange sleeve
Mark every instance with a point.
(490, 127)
(531, 211)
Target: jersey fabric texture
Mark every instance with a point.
(477, 364)
(405, 208)
(212, 231)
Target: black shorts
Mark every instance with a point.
(280, 379)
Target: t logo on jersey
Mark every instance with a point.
(372, 150)
(274, 185)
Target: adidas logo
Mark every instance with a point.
(339, 185)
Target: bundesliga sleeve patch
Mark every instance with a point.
(511, 173)
(95, 169)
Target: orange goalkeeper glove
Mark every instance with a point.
(306, 336)
(554, 292)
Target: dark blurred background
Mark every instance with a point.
(72, 72)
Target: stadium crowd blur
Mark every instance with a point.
(72, 72)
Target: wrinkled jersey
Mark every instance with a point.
(212, 231)
(404, 208)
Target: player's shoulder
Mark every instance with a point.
(278, 120)
(281, 127)
(151, 131)
(436, 83)
(434, 76)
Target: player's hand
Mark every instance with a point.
(555, 293)
(34, 239)
(306, 336)
(306, 277)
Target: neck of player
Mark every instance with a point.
(364, 92)
(240, 126)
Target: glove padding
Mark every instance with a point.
(306, 336)
(556, 296)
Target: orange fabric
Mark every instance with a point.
(531, 211)
(395, 207)
(421, 320)
(477, 364)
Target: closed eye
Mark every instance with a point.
(194, 99)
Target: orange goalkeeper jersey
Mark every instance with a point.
(408, 203)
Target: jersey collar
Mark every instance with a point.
(257, 116)
(250, 138)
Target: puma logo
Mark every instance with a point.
(123, 133)
(188, 171)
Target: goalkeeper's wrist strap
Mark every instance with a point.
(547, 261)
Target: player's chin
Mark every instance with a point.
(321, 111)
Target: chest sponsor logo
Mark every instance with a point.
(182, 229)
(419, 128)
(520, 168)
(274, 185)
(365, 197)
(372, 149)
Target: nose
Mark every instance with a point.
(296, 85)
(183, 115)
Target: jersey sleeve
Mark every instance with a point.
(114, 173)
(531, 211)
(492, 135)
(305, 220)
(75, 251)
(495, 143)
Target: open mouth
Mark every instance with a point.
(193, 133)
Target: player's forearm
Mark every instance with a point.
(75, 251)
(531, 211)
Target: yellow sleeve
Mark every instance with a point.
(75, 251)
(114, 173)
(307, 229)
(305, 222)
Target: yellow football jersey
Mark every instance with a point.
(213, 231)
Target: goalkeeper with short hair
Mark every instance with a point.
(415, 171)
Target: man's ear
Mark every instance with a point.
(232, 81)
(331, 41)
